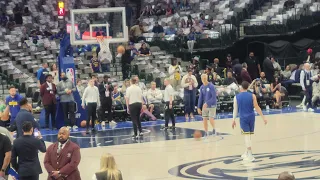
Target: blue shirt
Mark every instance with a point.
(95, 64)
(207, 96)
(41, 76)
(24, 116)
(170, 31)
(14, 107)
(245, 105)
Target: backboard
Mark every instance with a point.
(95, 22)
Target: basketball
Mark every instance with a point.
(121, 49)
(197, 135)
(309, 51)
(83, 123)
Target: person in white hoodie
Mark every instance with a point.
(154, 96)
(189, 83)
(175, 73)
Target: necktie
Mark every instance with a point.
(59, 149)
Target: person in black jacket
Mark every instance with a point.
(24, 157)
(105, 90)
(268, 69)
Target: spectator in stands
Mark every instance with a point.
(315, 92)
(216, 80)
(54, 73)
(48, 93)
(26, 12)
(95, 63)
(276, 66)
(170, 30)
(245, 76)
(306, 84)
(24, 158)
(80, 87)
(41, 75)
(178, 4)
(17, 11)
(12, 103)
(154, 96)
(208, 24)
(95, 79)
(24, 115)
(216, 68)
(144, 51)
(63, 157)
(190, 84)
(229, 62)
(259, 89)
(237, 68)
(189, 21)
(65, 90)
(286, 73)
(105, 90)
(277, 92)
(197, 26)
(185, 4)
(289, 4)
(129, 13)
(117, 96)
(183, 23)
(192, 39)
(108, 169)
(5, 155)
(263, 78)
(11, 23)
(125, 85)
(209, 73)
(202, 19)
(286, 176)
(4, 20)
(169, 10)
(148, 11)
(140, 84)
(158, 10)
(268, 68)
(195, 65)
(175, 71)
(136, 32)
(91, 102)
(230, 79)
(157, 28)
(253, 66)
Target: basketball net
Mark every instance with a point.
(105, 53)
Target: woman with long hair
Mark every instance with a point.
(55, 73)
(108, 169)
(277, 92)
(125, 86)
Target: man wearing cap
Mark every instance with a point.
(48, 92)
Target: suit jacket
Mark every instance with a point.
(25, 149)
(67, 162)
(24, 116)
(48, 95)
(245, 76)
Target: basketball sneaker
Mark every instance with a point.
(249, 158)
(213, 132)
(164, 128)
(311, 110)
(244, 155)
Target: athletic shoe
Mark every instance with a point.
(249, 158)
(38, 108)
(173, 128)
(75, 128)
(134, 137)
(244, 155)
(113, 122)
(141, 134)
(299, 106)
(304, 108)
(311, 110)
(164, 128)
(213, 132)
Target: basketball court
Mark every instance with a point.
(287, 143)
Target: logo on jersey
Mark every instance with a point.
(70, 74)
(303, 164)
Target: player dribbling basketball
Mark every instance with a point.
(245, 103)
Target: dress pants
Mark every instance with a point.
(308, 94)
(169, 114)
(135, 109)
(36, 177)
(50, 110)
(189, 100)
(106, 105)
(91, 114)
(68, 109)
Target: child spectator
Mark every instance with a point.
(95, 63)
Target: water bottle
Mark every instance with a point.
(267, 108)
(103, 125)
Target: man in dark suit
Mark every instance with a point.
(24, 157)
(48, 92)
(105, 90)
(268, 68)
(245, 76)
(5, 155)
(24, 115)
(63, 157)
(253, 66)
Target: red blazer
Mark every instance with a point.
(47, 97)
(67, 162)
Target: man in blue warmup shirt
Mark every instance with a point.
(12, 102)
(245, 102)
(41, 78)
(207, 103)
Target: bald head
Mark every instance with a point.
(286, 176)
(63, 134)
(307, 66)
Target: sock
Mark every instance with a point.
(249, 152)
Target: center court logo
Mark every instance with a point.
(303, 164)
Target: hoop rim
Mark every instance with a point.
(103, 37)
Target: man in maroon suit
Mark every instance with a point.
(48, 92)
(245, 76)
(62, 158)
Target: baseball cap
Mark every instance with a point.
(196, 58)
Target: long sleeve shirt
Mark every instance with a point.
(61, 91)
(173, 70)
(91, 95)
(187, 79)
(154, 96)
(207, 96)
